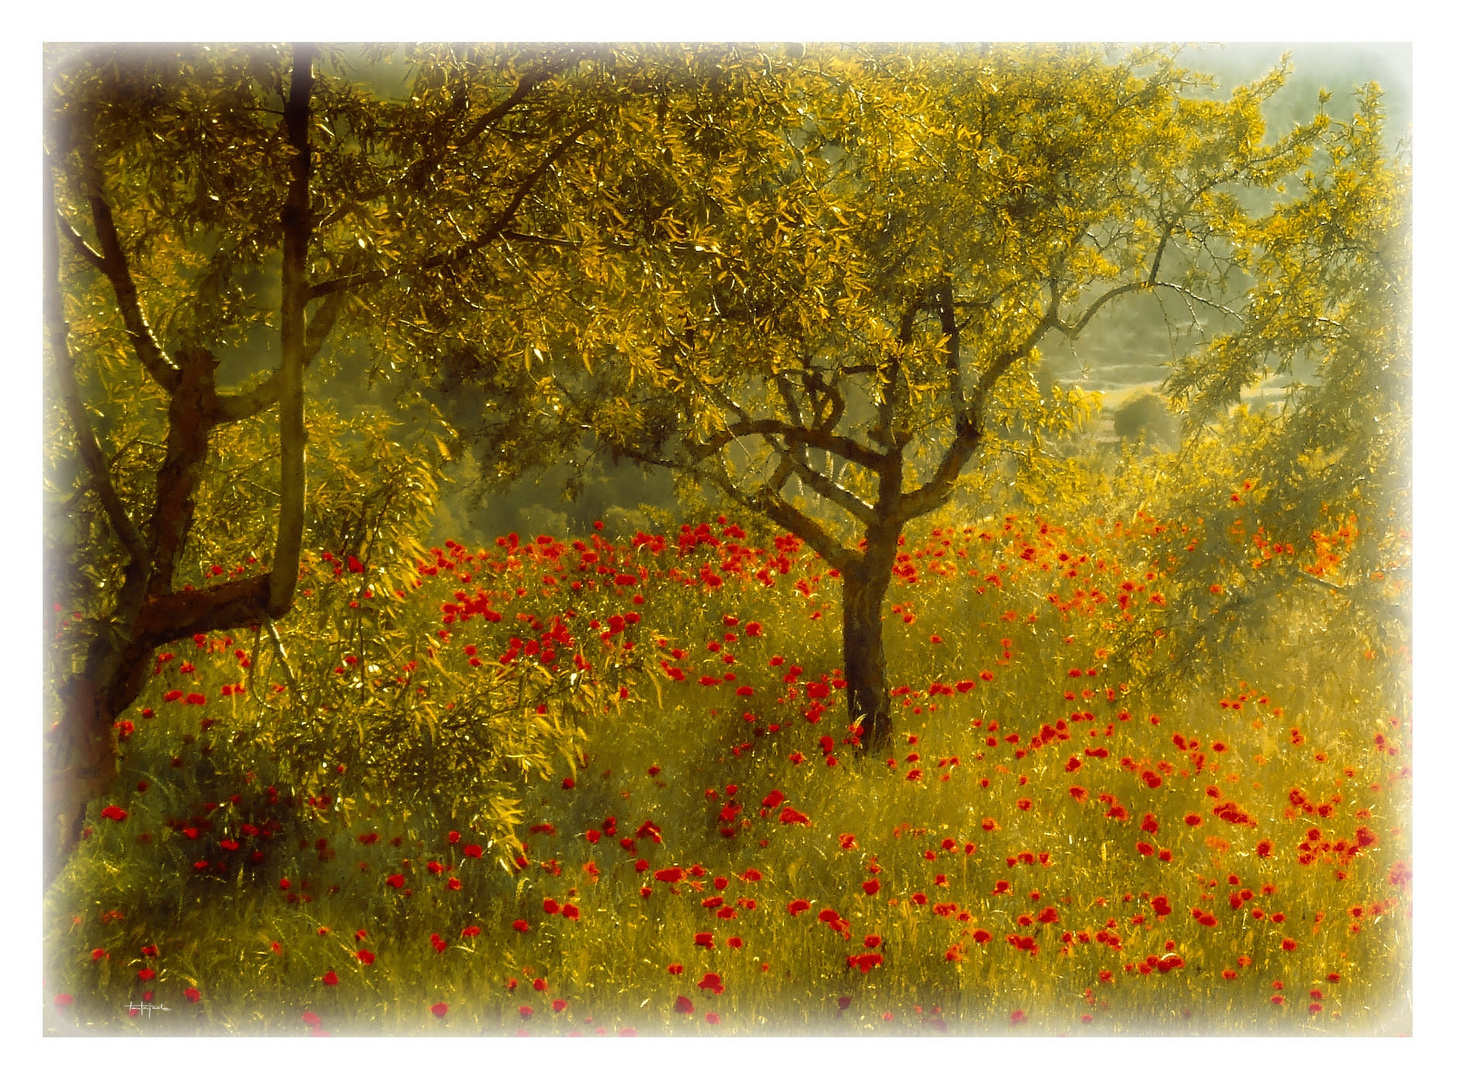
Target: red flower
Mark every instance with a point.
(439, 1010)
(471, 931)
(146, 975)
(520, 925)
(706, 941)
(192, 994)
(797, 907)
(559, 1004)
(774, 799)
(871, 887)
(1161, 906)
(472, 851)
(1018, 1017)
(711, 981)
(712, 1018)
(684, 1005)
(396, 881)
(525, 1011)
(115, 813)
(1264, 848)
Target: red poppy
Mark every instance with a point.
(712, 1018)
(146, 975)
(366, 956)
(115, 813)
(559, 1004)
(192, 994)
(472, 851)
(396, 881)
(797, 907)
(520, 925)
(871, 887)
(712, 981)
(525, 1011)
(1018, 1017)
(1161, 906)
(439, 1010)
(684, 1005)
(706, 941)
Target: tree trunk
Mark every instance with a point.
(864, 586)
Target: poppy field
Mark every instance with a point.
(603, 787)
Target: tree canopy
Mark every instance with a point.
(859, 266)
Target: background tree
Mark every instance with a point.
(1311, 496)
(220, 217)
(868, 254)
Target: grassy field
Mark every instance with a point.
(1056, 842)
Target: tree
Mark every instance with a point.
(865, 258)
(218, 218)
(1313, 496)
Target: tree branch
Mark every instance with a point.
(841, 445)
(829, 489)
(113, 265)
(945, 303)
(297, 229)
(86, 440)
(462, 251)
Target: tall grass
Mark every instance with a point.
(1055, 842)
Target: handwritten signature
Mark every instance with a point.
(137, 1008)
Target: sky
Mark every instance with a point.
(1437, 385)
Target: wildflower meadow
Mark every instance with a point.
(680, 837)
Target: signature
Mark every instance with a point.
(136, 1008)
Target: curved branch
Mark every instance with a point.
(86, 440)
(841, 445)
(114, 266)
